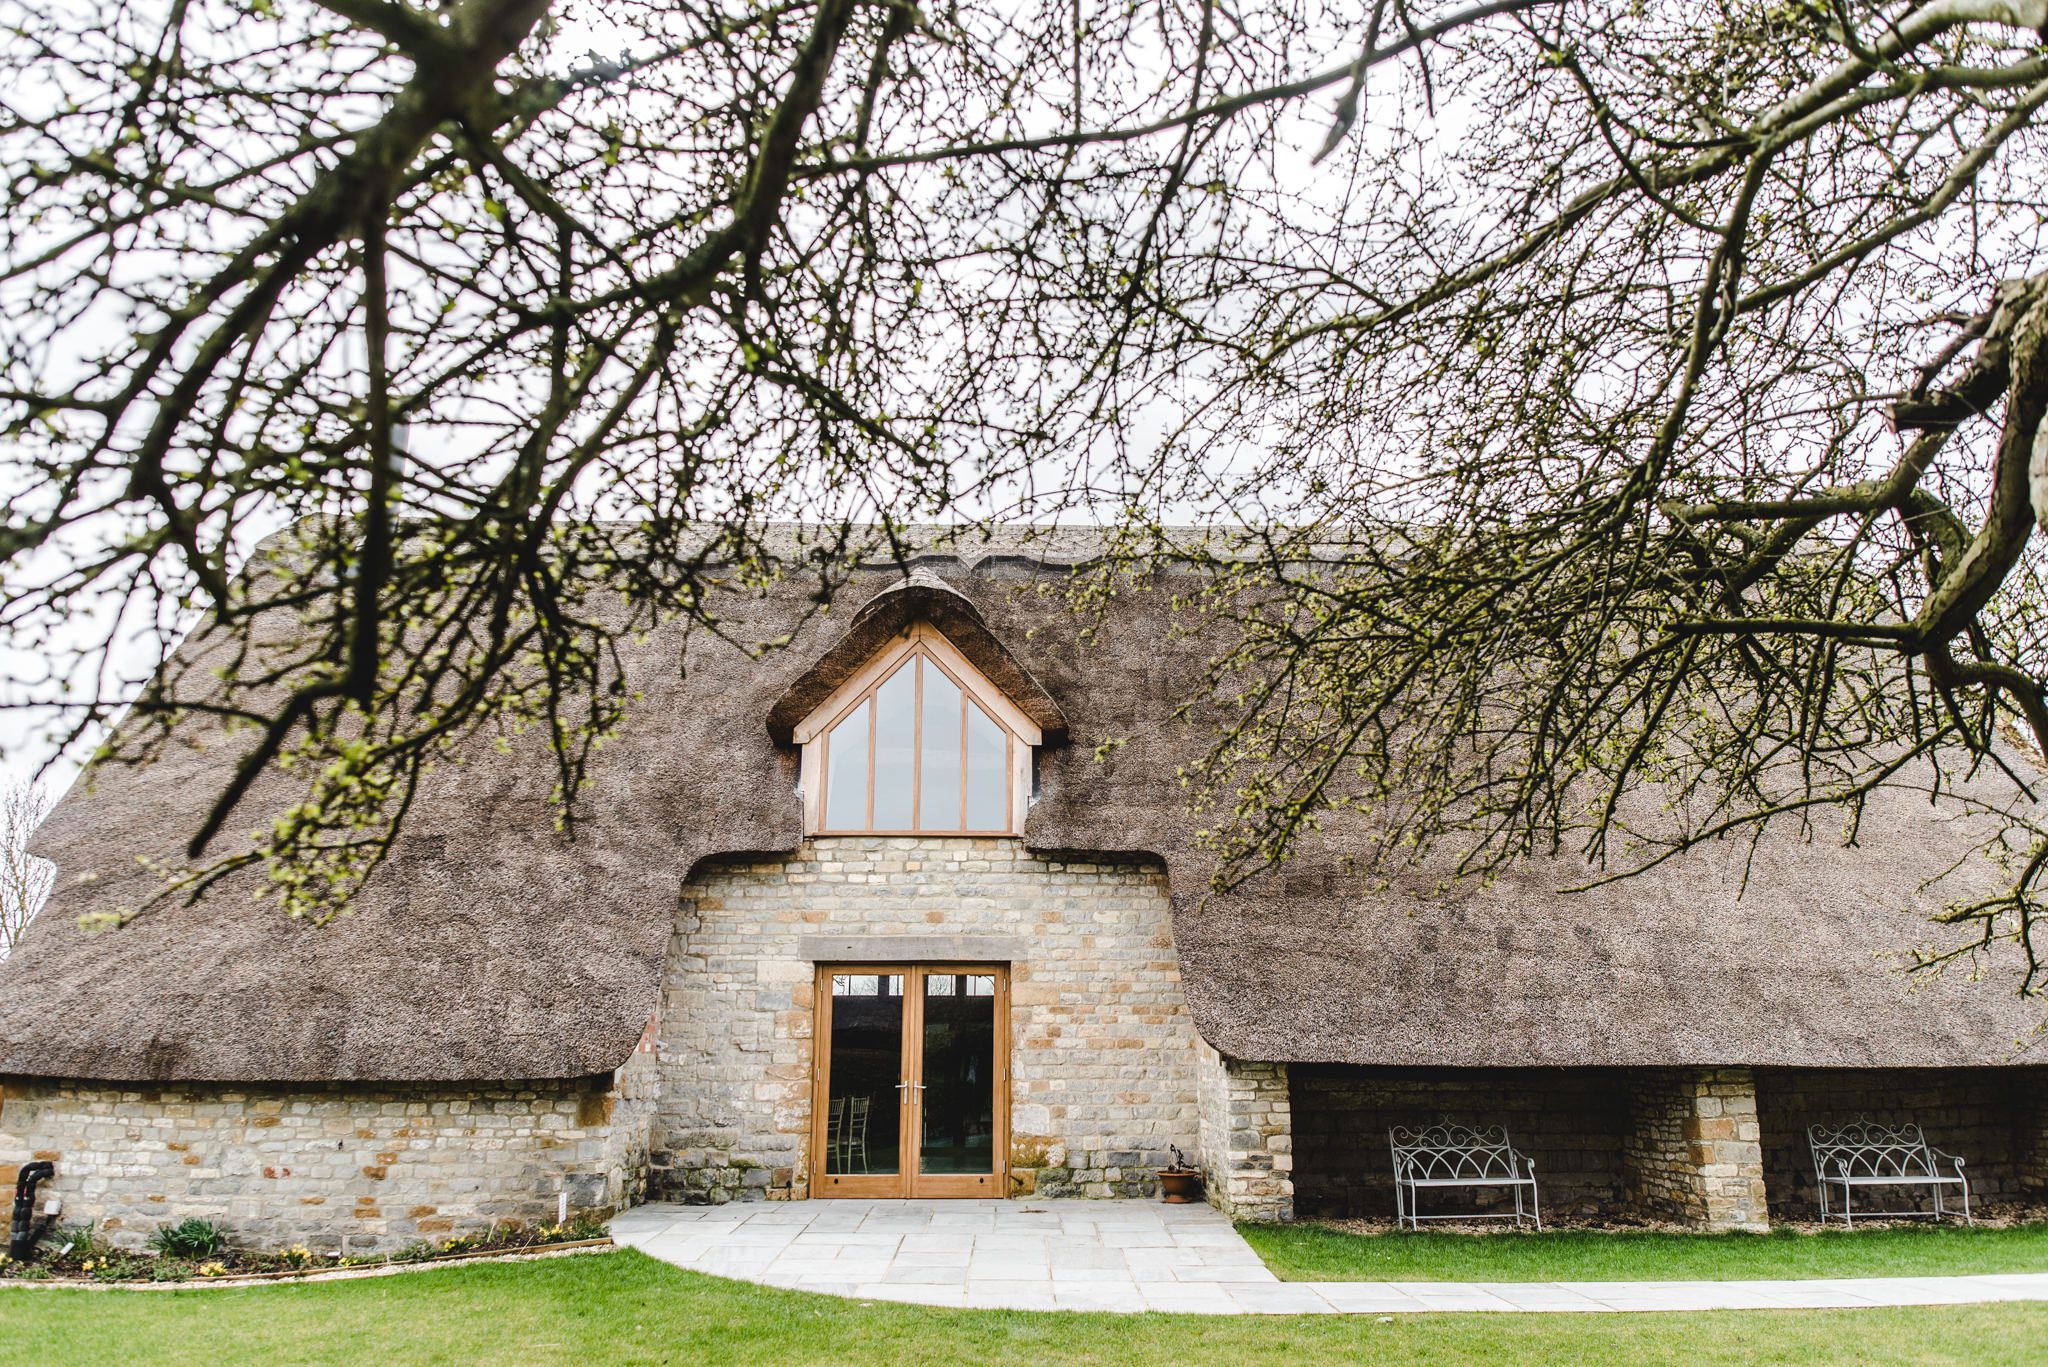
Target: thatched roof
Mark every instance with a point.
(493, 948)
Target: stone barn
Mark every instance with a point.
(913, 907)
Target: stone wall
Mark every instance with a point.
(2030, 1142)
(1247, 1136)
(1571, 1123)
(1692, 1149)
(1102, 1050)
(371, 1167)
(1607, 1143)
(1992, 1117)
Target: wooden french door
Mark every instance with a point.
(911, 1095)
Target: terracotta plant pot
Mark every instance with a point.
(1180, 1186)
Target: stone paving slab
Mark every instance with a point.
(1134, 1256)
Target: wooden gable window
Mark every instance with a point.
(917, 743)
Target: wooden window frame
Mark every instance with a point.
(1020, 736)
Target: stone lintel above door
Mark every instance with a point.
(895, 949)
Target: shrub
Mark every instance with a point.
(75, 1245)
(193, 1238)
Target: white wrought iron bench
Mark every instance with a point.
(1866, 1154)
(1447, 1155)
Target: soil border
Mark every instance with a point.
(319, 1274)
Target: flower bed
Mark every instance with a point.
(201, 1254)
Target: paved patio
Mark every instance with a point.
(1142, 1255)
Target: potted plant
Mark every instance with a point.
(1180, 1184)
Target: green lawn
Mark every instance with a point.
(623, 1307)
(1316, 1253)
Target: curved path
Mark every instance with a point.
(1143, 1255)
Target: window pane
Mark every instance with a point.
(895, 741)
(988, 777)
(939, 805)
(862, 1111)
(846, 787)
(958, 1129)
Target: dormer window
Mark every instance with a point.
(918, 742)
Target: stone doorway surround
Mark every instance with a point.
(1134, 1256)
(1095, 989)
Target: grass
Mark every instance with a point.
(1318, 1253)
(626, 1308)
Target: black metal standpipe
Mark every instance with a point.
(22, 1233)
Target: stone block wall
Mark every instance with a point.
(1992, 1117)
(364, 1166)
(1612, 1143)
(1570, 1122)
(1247, 1136)
(1693, 1150)
(2030, 1142)
(1102, 1050)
